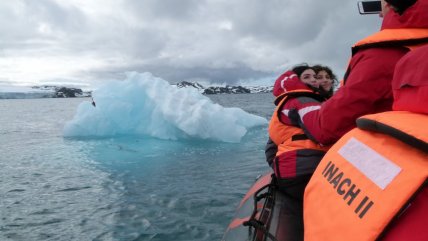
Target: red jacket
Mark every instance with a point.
(367, 86)
(297, 155)
(378, 137)
(296, 108)
(410, 88)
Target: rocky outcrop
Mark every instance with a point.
(51, 91)
(44, 91)
(63, 92)
(226, 90)
(211, 90)
(185, 84)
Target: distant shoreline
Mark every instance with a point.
(36, 92)
(51, 91)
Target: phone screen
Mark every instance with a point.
(369, 7)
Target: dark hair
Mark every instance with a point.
(317, 68)
(299, 69)
(401, 5)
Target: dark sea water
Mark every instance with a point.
(121, 188)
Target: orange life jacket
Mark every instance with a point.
(393, 38)
(407, 38)
(290, 138)
(367, 178)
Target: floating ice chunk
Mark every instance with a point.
(146, 105)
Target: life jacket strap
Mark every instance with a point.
(299, 137)
(373, 125)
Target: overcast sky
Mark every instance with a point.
(223, 41)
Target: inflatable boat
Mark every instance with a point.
(266, 214)
(371, 185)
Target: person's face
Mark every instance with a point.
(308, 77)
(385, 8)
(324, 80)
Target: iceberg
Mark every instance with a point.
(146, 105)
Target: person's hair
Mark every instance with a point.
(299, 69)
(401, 5)
(317, 68)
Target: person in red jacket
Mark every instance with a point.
(297, 155)
(410, 91)
(325, 84)
(367, 82)
(367, 89)
(293, 155)
(372, 183)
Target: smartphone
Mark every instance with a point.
(369, 7)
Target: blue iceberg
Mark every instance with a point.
(145, 105)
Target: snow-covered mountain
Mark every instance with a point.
(51, 91)
(225, 89)
(45, 91)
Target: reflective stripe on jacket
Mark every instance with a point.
(297, 155)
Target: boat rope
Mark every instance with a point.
(259, 226)
(252, 221)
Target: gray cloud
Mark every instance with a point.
(173, 10)
(174, 74)
(217, 41)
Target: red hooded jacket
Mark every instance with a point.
(367, 87)
(297, 155)
(410, 89)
